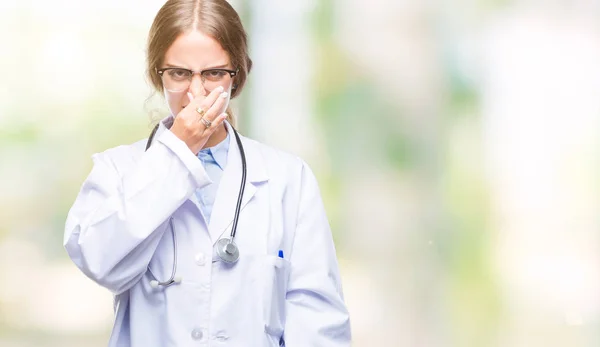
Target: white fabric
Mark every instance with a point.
(118, 229)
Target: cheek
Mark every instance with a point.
(175, 101)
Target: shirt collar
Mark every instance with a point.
(218, 152)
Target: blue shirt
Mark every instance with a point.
(214, 160)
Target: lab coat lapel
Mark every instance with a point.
(227, 194)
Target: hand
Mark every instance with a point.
(188, 126)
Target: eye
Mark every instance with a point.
(179, 74)
(214, 75)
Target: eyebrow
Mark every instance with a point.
(208, 68)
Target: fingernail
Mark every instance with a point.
(221, 88)
(224, 95)
(190, 96)
(224, 115)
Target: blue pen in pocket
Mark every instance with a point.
(280, 253)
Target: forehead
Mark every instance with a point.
(196, 50)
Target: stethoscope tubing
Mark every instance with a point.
(222, 254)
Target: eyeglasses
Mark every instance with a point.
(177, 79)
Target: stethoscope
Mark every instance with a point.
(225, 247)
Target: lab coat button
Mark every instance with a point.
(200, 259)
(197, 334)
(221, 337)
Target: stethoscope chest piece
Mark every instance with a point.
(227, 250)
(225, 247)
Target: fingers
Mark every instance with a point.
(216, 123)
(217, 108)
(212, 108)
(205, 104)
(189, 126)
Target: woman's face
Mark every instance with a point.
(195, 51)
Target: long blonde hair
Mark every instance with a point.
(215, 18)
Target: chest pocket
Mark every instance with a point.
(274, 274)
(255, 288)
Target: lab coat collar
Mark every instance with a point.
(254, 161)
(165, 124)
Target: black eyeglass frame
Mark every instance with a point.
(231, 73)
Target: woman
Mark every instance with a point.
(154, 220)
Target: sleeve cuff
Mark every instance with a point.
(191, 162)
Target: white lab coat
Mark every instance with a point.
(118, 229)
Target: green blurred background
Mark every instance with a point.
(456, 144)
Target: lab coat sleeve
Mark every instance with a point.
(118, 218)
(316, 314)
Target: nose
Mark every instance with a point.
(196, 87)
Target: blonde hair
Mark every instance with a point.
(215, 18)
